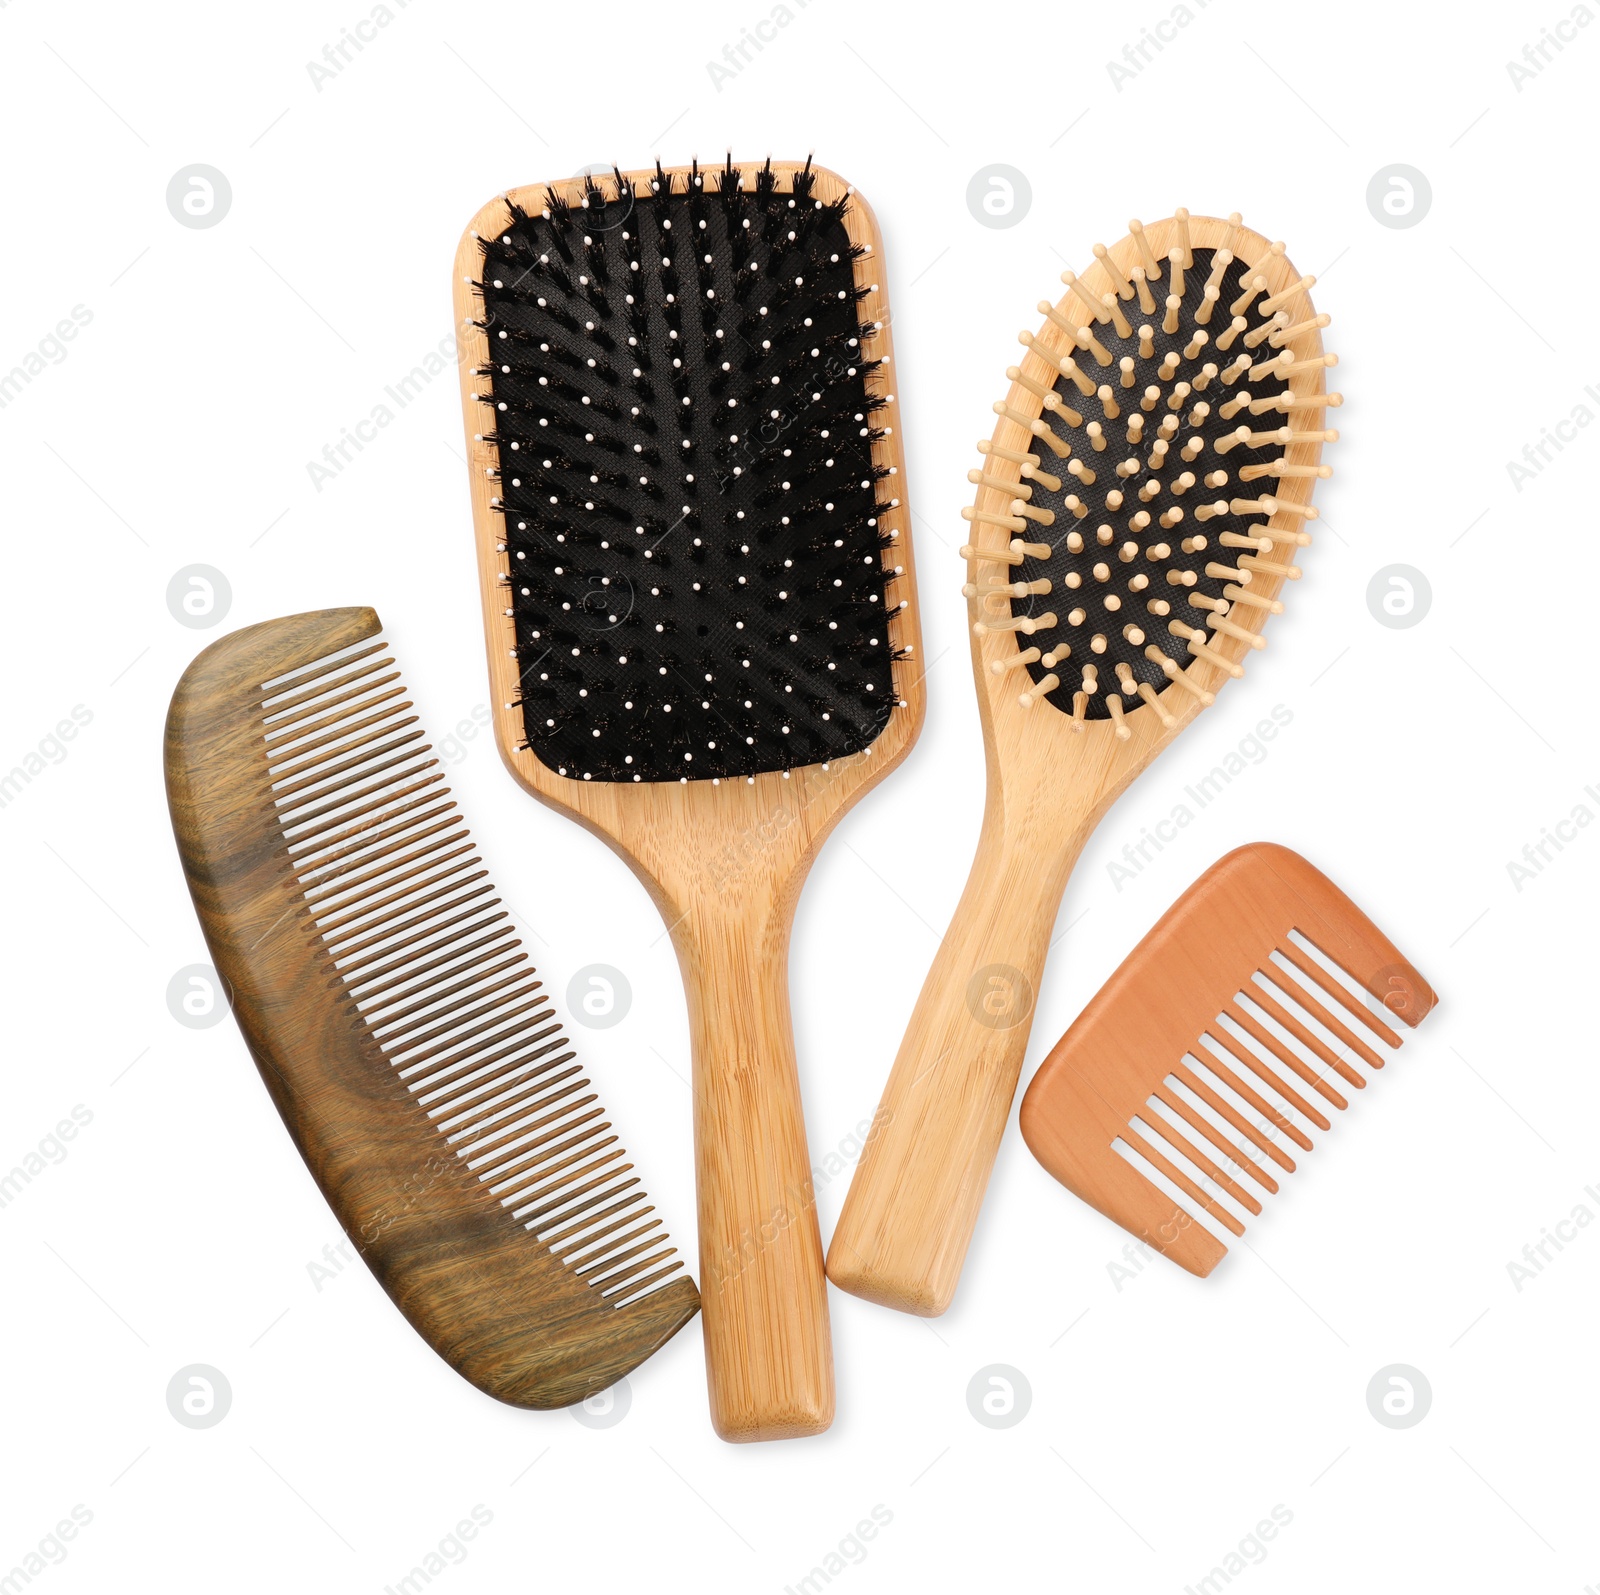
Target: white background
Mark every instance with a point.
(1167, 1417)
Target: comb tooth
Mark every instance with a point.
(1170, 1133)
(373, 749)
(377, 996)
(404, 1044)
(421, 1002)
(555, 1237)
(1307, 1039)
(356, 802)
(437, 1060)
(345, 889)
(513, 1055)
(280, 685)
(357, 854)
(421, 910)
(1236, 1011)
(370, 965)
(1249, 1094)
(577, 1166)
(1315, 972)
(1242, 1054)
(293, 761)
(274, 714)
(1219, 1105)
(336, 839)
(413, 894)
(1181, 1180)
(607, 1256)
(343, 713)
(499, 1125)
(564, 1206)
(1197, 1121)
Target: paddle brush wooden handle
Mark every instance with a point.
(769, 1360)
(908, 1219)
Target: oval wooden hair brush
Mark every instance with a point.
(399, 1027)
(1138, 508)
(687, 487)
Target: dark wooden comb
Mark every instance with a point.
(400, 1030)
(1218, 995)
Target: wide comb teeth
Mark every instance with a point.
(431, 961)
(1230, 1038)
(1268, 1069)
(1138, 388)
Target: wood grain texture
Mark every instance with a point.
(724, 862)
(1166, 994)
(908, 1219)
(476, 1285)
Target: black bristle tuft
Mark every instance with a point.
(693, 515)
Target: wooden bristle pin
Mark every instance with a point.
(1114, 312)
(1012, 523)
(999, 667)
(1242, 595)
(1255, 285)
(1147, 259)
(972, 553)
(1085, 298)
(1304, 285)
(1169, 323)
(1087, 341)
(1254, 340)
(1221, 623)
(1225, 339)
(1287, 335)
(1016, 489)
(1037, 691)
(1114, 272)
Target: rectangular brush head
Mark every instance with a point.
(397, 1022)
(1222, 1036)
(688, 480)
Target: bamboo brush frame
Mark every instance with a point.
(724, 862)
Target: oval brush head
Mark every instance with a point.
(686, 410)
(1171, 402)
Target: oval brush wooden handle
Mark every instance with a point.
(902, 1237)
(764, 1301)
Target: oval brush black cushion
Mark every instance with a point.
(691, 508)
(1214, 427)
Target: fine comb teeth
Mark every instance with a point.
(693, 501)
(1174, 402)
(401, 1028)
(1219, 1039)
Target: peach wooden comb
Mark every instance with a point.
(1200, 1031)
